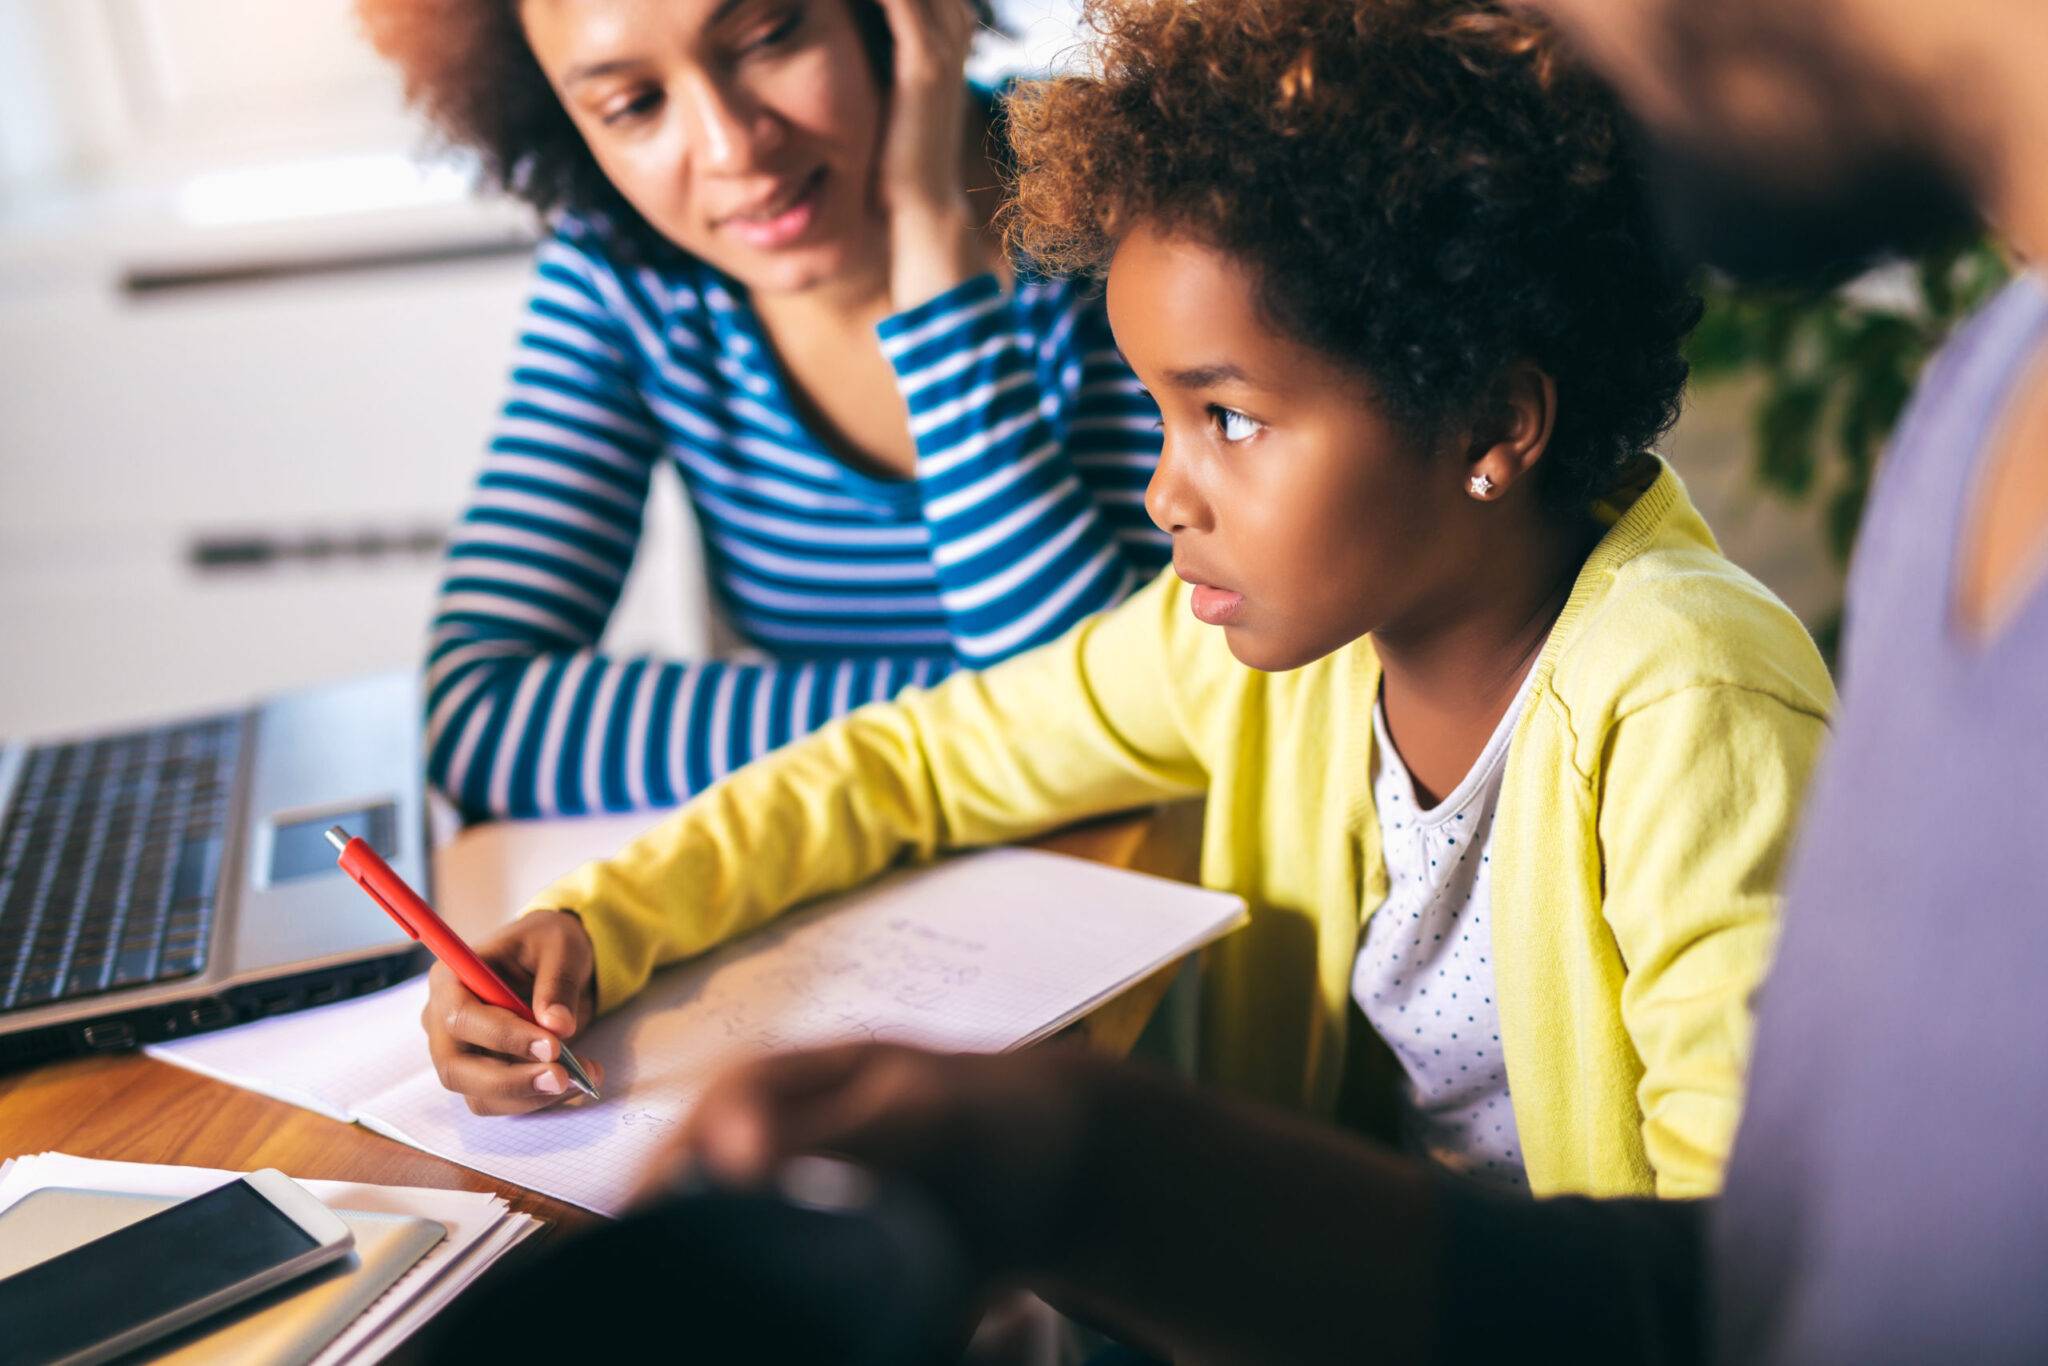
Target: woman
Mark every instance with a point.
(771, 264)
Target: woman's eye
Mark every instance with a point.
(777, 33)
(1232, 425)
(639, 107)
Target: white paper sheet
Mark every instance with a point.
(977, 954)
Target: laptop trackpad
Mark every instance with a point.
(300, 849)
(300, 905)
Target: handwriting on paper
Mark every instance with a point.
(819, 984)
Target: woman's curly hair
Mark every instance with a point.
(467, 67)
(1428, 190)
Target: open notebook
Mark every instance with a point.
(982, 953)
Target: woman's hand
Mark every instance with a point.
(493, 1059)
(934, 240)
(994, 1139)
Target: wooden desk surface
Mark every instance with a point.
(133, 1108)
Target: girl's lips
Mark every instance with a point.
(1215, 606)
(767, 232)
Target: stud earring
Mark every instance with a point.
(1479, 486)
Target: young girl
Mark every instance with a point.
(1503, 753)
(771, 265)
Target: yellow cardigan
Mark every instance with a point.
(1651, 789)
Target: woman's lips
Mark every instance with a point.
(1215, 606)
(786, 223)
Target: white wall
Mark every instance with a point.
(324, 404)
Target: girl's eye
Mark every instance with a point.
(1234, 426)
(639, 107)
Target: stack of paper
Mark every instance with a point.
(481, 1228)
(980, 954)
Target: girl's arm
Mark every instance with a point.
(1084, 726)
(524, 716)
(1034, 445)
(1701, 799)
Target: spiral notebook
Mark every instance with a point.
(982, 953)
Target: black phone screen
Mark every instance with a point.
(137, 1274)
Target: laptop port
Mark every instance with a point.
(211, 1014)
(365, 982)
(323, 993)
(109, 1035)
(276, 1003)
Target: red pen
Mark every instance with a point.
(417, 918)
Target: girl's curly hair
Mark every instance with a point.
(1426, 189)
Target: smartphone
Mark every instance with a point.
(155, 1276)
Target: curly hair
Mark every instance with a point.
(466, 65)
(1428, 190)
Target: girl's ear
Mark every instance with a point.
(1514, 435)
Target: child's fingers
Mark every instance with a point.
(477, 1026)
(556, 953)
(492, 1086)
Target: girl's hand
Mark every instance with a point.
(493, 1059)
(994, 1139)
(934, 241)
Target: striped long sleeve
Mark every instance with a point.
(1025, 514)
(1020, 548)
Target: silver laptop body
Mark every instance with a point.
(285, 929)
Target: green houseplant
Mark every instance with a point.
(1836, 369)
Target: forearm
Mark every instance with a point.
(1223, 1232)
(548, 732)
(818, 816)
(1570, 1278)
(981, 759)
(933, 248)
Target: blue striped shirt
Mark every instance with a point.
(1025, 513)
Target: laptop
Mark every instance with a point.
(171, 879)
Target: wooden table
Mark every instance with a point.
(133, 1108)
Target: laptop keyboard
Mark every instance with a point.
(109, 860)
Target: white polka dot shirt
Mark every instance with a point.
(1424, 975)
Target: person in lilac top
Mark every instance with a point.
(1888, 1194)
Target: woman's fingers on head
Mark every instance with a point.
(929, 38)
